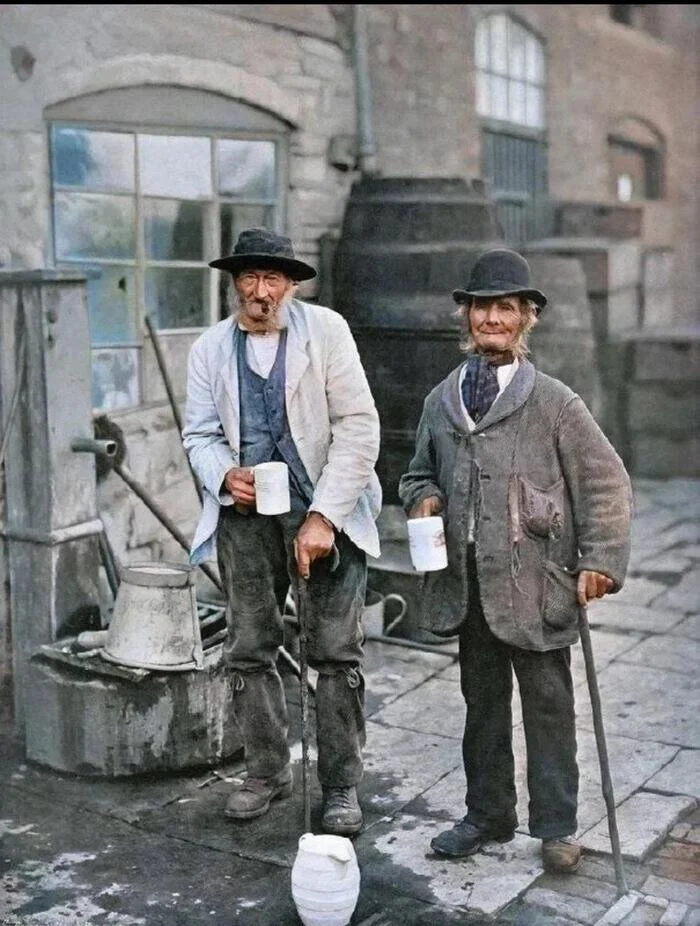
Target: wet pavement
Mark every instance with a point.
(158, 850)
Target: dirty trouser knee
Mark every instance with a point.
(260, 709)
(340, 727)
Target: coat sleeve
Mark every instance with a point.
(421, 480)
(203, 434)
(600, 492)
(354, 426)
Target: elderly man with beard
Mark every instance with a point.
(281, 380)
(537, 510)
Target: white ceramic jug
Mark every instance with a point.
(325, 880)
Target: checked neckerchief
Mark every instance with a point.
(480, 383)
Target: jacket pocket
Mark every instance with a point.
(560, 603)
(541, 510)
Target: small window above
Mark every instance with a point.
(643, 16)
(636, 158)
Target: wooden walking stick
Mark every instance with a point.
(605, 778)
(302, 592)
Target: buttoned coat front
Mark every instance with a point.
(549, 496)
(330, 410)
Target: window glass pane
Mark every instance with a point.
(516, 50)
(175, 165)
(247, 169)
(482, 44)
(112, 305)
(235, 218)
(534, 57)
(516, 100)
(535, 107)
(88, 225)
(173, 230)
(115, 378)
(483, 95)
(499, 45)
(93, 160)
(177, 298)
(499, 97)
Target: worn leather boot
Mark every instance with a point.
(253, 797)
(561, 855)
(465, 838)
(342, 814)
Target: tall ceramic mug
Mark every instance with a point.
(427, 544)
(271, 488)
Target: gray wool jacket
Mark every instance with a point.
(548, 497)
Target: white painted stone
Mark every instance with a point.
(614, 613)
(680, 776)
(685, 596)
(483, 883)
(643, 821)
(646, 704)
(413, 711)
(679, 891)
(672, 653)
(674, 914)
(619, 910)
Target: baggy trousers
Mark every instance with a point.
(257, 564)
(546, 694)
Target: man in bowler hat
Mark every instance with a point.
(537, 509)
(281, 380)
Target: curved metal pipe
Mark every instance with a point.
(103, 448)
(366, 147)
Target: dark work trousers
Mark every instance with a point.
(546, 692)
(257, 564)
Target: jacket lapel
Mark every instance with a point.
(297, 356)
(512, 397)
(228, 373)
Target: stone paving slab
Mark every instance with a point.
(678, 891)
(683, 597)
(672, 653)
(646, 704)
(607, 646)
(612, 613)
(689, 628)
(667, 564)
(403, 764)
(390, 671)
(637, 591)
(578, 909)
(416, 711)
(643, 821)
(680, 776)
(483, 883)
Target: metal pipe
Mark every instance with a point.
(104, 448)
(409, 644)
(366, 147)
(605, 778)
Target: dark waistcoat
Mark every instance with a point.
(265, 434)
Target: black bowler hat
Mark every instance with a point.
(262, 249)
(500, 272)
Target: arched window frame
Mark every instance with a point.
(138, 125)
(637, 161)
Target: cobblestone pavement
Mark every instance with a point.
(158, 851)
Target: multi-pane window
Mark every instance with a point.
(146, 212)
(510, 72)
(142, 213)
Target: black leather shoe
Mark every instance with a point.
(342, 814)
(466, 838)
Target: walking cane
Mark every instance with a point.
(605, 778)
(302, 592)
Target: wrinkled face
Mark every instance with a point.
(261, 293)
(495, 323)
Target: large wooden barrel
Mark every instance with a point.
(405, 244)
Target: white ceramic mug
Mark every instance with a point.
(271, 488)
(427, 544)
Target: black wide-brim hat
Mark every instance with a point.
(500, 272)
(262, 249)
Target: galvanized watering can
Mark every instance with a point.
(155, 623)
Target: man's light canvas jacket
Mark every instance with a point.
(331, 413)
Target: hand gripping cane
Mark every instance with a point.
(605, 778)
